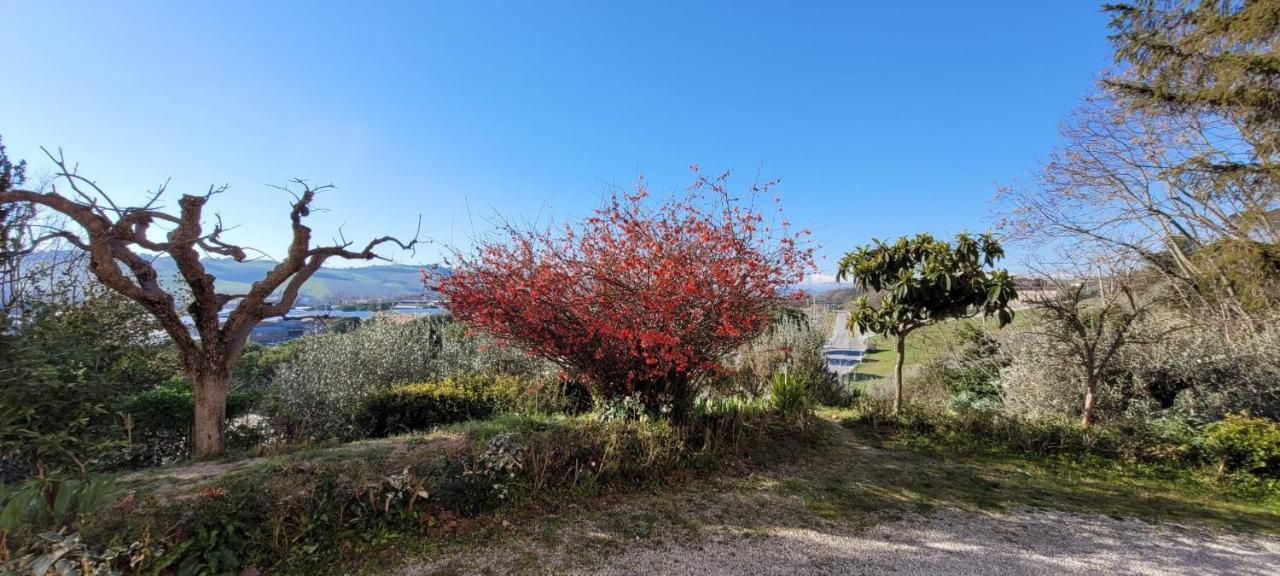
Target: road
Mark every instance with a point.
(844, 349)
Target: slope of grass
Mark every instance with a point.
(925, 344)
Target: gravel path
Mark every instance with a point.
(958, 542)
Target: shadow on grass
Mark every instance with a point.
(868, 474)
(834, 490)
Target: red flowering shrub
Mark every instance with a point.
(638, 298)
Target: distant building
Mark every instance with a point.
(277, 330)
(406, 310)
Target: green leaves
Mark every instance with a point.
(924, 280)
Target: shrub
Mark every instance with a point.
(63, 369)
(322, 389)
(260, 364)
(794, 343)
(790, 396)
(638, 298)
(50, 422)
(1243, 443)
(159, 420)
(1202, 370)
(42, 502)
(1169, 440)
(421, 406)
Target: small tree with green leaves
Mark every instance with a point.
(921, 281)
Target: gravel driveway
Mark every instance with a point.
(958, 542)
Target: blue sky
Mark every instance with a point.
(879, 118)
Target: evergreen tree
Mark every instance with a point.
(1214, 63)
(922, 281)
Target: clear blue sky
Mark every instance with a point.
(880, 118)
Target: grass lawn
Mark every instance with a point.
(923, 344)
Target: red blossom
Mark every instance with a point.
(640, 296)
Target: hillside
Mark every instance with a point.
(379, 281)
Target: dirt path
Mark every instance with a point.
(955, 542)
(853, 507)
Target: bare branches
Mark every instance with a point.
(122, 253)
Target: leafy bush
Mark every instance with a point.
(790, 396)
(51, 419)
(1202, 370)
(260, 364)
(322, 389)
(44, 502)
(1243, 443)
(640, 297)
(421, 406)
(158, 421)
(63, 368)
(793, 342)
(1174, 441)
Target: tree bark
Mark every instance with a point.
(1086, 419)
(210, 411)
(899, 346)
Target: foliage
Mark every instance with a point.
(323, 386)
(790, 396)
(1091, 333)
(1243, 442)
(637, 298)
(65, 366)
(160, 420)
(307, 508)
(1245, 270)
(47, 502)
(1173, 439)
(927, 280)
(791, 344)
(321, 390)
(924, 280)
(13, 226)
(422, 406)
(259, 365)
(1204, 371)
(965, 377)
(1213, 58)
(49, 423)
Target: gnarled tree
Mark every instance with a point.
(120, 244)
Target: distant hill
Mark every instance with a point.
(328, 284)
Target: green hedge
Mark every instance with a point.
(171, 406)
(415, 407)
(161, 419)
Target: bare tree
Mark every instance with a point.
(1142, 186)
(1093, 320)
(120, 246)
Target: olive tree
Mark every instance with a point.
(121, 242)
(921, 281)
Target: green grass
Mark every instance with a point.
(915, 472)
(924, 344)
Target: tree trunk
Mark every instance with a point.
(210, 393)
(1086, 420)
(900, 347)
